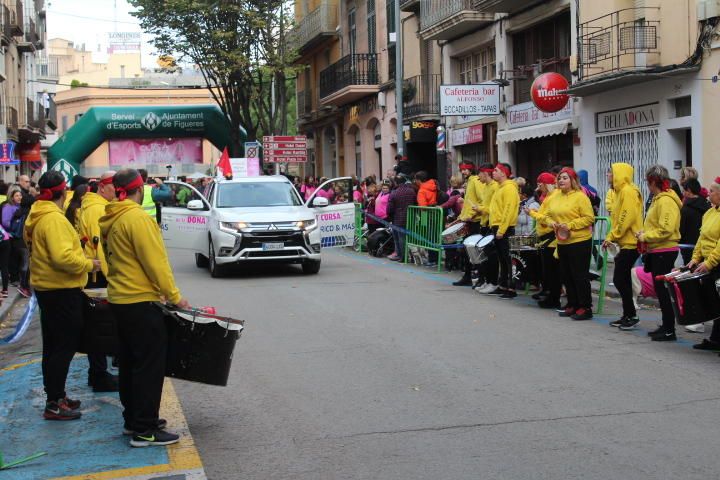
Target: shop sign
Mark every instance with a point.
(548, 92)
(29, 152)
(628, 118)
(158, 151)
(526, 114)
(7, 154)
(465, 136)
(421, 131)
(462, 100)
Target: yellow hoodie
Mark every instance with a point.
(540, 215)
(708, 245)
(56, 258)
(505, 206)
(662, 222)
(138, 265)
(472, 197)
(88, 223)
(627, 209)
(573, 209)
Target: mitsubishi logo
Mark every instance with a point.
(272, 227)
(150, 121)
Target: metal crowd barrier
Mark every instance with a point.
(424, 230)
(599, 257)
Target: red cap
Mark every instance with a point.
(546, 178)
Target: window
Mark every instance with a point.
(371, 31)
(478, 67)
(257, 194)
(352, 32)
(64, 124)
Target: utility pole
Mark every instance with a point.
(399, 79)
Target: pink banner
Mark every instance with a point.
(158, 151)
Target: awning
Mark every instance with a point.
(534, 131)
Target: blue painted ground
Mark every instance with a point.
(91, 444)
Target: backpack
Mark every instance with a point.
(16, 226)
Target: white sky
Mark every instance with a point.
(88, 22)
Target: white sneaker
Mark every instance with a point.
(699, 328)
(488, 288)
(479, 286)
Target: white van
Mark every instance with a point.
(258, 219)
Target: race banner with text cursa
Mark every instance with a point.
(285, 149)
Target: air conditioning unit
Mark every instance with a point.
(707, 9)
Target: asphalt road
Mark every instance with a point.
(371, 370)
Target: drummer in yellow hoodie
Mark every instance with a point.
(88, 223)
(139, 274)
(660, 237)
(58, 272)
(626, 219)
(504, 210)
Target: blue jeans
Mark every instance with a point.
(399, 238)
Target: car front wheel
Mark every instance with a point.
(216, 271)
(311, 267)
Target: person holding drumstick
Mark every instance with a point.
(706, 258)
(658, 242)
(504, 210)
(626, 220)
(570, 214)
(549, 297)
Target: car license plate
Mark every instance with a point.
(272, 246)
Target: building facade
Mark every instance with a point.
(27, 108)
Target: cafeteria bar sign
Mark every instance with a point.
(462, 100)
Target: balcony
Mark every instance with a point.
(618, 48)
(450, 19)
(349, 79)
(5, 33)
(421, 96)
(16, 20)
(47, 69)
(501, 6)
(317, 26)
(304, 103)
(410, 6)
(30, 39)
(10, 115)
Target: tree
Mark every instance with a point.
(239, 46)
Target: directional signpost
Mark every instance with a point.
(285, 149)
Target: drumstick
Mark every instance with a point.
(96, 242)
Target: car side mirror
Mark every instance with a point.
(320, 202)
(195, 205)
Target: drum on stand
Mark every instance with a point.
(694, 297)
(478, 247)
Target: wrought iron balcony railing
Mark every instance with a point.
(421, 95)
(625, 40)
(304, 102)
(433, 12)
(357, 69)
(315, 25)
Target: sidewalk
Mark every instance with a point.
(90, 448)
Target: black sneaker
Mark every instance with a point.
(561, 308)
(72, 404)
(498, 291)
(60, 411)
(664, 337)
(540, 295)
(154, 438)
(618, 322)
(104, 383)
(568, 312)
(509, 295)
(161, 425)
(655, 332)
(463, 282)
(549, 304)
(708, 346)
(629, 324)
(582, 314)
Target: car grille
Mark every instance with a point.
(256, 239)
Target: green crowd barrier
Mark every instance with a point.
(424, 230)
(360, 242)
(599, 257)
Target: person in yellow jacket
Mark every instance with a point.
(503, 214)
(549, 296)
(626, 220)
(88, 226)
(473, 187)
(139, 274)
(706, 259)
(570, 214)
(58, 272)
(659, 239)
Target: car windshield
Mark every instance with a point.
(257, 194)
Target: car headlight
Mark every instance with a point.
(306, 225)
(232, 227)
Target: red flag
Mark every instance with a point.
(224, 163)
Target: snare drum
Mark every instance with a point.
(477, 247)
(454, 233)
(694, 297)
(523, 242)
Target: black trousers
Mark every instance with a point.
(502, 247)
(98, 362)
(22, 257)
(473, 229)
(624, 263)
(551, 283)
(5, 262)
(661, 264)
(61, 320)
(143, 349)
(574, 271)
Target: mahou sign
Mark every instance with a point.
(548, 92)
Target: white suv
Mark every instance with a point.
(258, 219)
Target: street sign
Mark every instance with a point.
(285, 149)
(252, 149)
